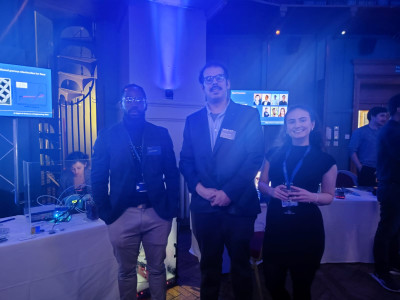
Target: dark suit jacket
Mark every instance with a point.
(231, 166)
(112, 162)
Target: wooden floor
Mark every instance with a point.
(332, 282)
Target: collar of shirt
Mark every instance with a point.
(214, 123)
(221, 114)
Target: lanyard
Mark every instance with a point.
(134, 152)
(296, 169)
(132, 148)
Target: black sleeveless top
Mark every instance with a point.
(301, 235)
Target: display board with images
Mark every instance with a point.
(271, 105)
(25, 91)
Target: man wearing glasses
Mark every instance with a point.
(222, 151)
(137, 159)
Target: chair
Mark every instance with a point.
(346, 179)
(256, 257)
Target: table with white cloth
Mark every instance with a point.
(350, 226)
(75, 262)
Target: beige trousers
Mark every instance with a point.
(135, 226)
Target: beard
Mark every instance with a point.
(214, 99)
(134, 112)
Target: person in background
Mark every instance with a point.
(138, 160)
(363, 146)
(257, 100)
(386, 243)
(265, 112)
(275, 100)
(283, 100)
(222, 151)
(282, 112)
(75, 179)
(294, 238)
(266, 100)
(274, 112)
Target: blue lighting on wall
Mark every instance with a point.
(167, 24)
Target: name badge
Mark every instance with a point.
(228, 134)
(289, 203)
(141, 187)
(153, 150)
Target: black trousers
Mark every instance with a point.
(213, 231)
(301, 272)
(367, 176)
(386, 243)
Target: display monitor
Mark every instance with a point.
(25, 91)
(272, 105)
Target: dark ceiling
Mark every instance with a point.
(107, 9)
(259, 17)
(263, 18)
(95, 9)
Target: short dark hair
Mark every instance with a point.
(373, 112)
(394, 104)
(75, 157)
(213, 64)
(133, 86)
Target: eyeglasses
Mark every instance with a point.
(132, 99)
(218, 78)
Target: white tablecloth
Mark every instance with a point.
(350, 226)
(76, 263)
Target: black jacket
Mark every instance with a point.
(233, 163)
(112, 162)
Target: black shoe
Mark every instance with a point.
(394, 271)
(386, 281)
